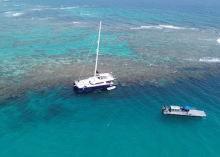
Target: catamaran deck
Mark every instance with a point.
(191, 113)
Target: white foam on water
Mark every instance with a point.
(84, 14)
(49, 8)
(147, 27)
(13, 14)
(206, 39)
(161, 27)
(210, 60)
(210, 39)
(191, 59)
(194, 29)
(171, 27)
(157, 27)
(46, 18)
(17, 14)
(76, 22)
(135, 28)
(36, 9)
(68, 7)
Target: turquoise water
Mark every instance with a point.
(122, 122)
(160, 53)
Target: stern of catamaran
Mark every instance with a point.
(100, 81)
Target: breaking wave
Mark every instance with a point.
(171, 27)
(218, 40)
(68, 7)
(84, 14)
(17, 14)
(147, 27)
(12, 14)
(48, 8)
(135, 28)
(210, 60)
(159, 27)
(36, 9)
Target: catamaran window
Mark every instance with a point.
(100, 83)
(175, 110)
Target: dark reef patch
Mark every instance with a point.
(39, 72)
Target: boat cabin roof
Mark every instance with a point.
(101, 78)
(103, 74)
(175, 107)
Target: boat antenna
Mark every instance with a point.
(87, 58)
(97, 50)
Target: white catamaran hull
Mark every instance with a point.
(101, 87)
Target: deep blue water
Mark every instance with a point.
(56, 121)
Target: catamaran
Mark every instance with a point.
(99, 81)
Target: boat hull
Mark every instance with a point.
(88, 89)
(186, 114)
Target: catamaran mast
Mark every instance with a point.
(97, 50)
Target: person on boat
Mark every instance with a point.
(164, 107)
(170, 109)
